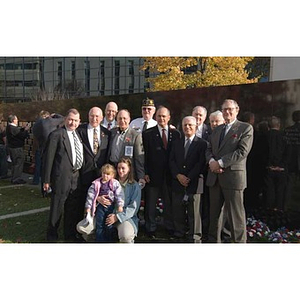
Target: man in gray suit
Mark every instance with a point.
(127, 142)
(226, 154)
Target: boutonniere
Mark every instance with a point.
(102, 134)
(234, 136)
(127, 140)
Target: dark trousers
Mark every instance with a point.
(17, 162)
(66, 205)
(152, 193)
(276, 182)
(3, 161)
(38, 167)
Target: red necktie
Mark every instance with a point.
(164, 138)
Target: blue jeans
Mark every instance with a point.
(103, 232)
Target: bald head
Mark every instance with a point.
(111, 111)
(95, 116)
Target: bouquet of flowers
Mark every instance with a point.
(257, 231)
(284, 235)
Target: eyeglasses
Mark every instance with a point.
(228, 108)
(147, 108)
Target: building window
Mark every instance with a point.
(117, 77)
(87, 73)
(73, 69)
(59, 74)
(102, 77)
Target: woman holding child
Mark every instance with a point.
(125, 220)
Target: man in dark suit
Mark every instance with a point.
(16, 136)
(127, 142)
(227, 154)
(62, 162)
(187, 164)
(157, 142)
(95, 139)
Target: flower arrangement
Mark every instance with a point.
(257, 231)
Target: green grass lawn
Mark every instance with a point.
(21, 198)
(24, 229)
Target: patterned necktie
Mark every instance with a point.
(164, 138)
(95, 142)
(78, 160)
(186, 147)
(108, 126)
(145, 125)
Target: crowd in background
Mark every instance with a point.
(209, 176)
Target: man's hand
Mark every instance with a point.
(183, 180)
(214, 166)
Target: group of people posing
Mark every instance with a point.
(106, 166)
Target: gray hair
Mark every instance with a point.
(190, 118)
(199, 106)
(216, 114)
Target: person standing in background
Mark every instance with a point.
(16, 137)
(3, 152)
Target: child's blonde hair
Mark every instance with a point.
(109, 169)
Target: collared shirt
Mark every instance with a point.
(166, 131)
(117, 145)
(199, 131)
(71, 138)
(229, 125)
(138, 124)
(90, 132)
(190, 138)
(105, 123)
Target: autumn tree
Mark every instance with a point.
(172, 73)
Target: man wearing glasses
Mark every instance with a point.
(226, 154)
(146, 121)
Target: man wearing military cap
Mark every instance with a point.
(146, 121)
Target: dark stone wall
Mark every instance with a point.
(278, 98)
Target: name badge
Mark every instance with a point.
(129, 151)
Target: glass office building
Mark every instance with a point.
(46, 78)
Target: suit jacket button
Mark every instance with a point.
(184, 167)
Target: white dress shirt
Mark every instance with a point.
(71, 138)
(90, 132)
(138, 124)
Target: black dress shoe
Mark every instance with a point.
(18, 181)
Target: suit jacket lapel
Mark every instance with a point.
(86, 141)
(67, 145)
(232, 129)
